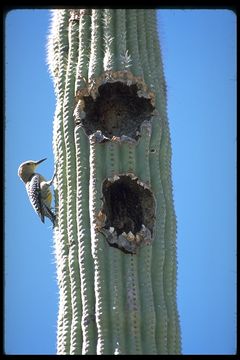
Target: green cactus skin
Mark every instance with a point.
(117, 289)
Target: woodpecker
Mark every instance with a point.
(38, 189)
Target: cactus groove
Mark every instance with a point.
(115, 238)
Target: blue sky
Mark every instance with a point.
(199, 55)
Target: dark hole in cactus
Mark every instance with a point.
(130, 210)
(117, 111)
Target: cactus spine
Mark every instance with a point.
(115, 239)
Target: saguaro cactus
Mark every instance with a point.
(115, 237)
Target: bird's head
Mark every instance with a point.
(27, 168)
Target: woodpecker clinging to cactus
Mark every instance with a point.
(38, 189)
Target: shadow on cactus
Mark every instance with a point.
(128, 213)
(117, 111)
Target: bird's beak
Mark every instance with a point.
(39, 161)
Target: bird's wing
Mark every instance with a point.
(34, 193)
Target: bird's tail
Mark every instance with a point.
(50, 215)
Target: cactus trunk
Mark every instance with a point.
(115, 237)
